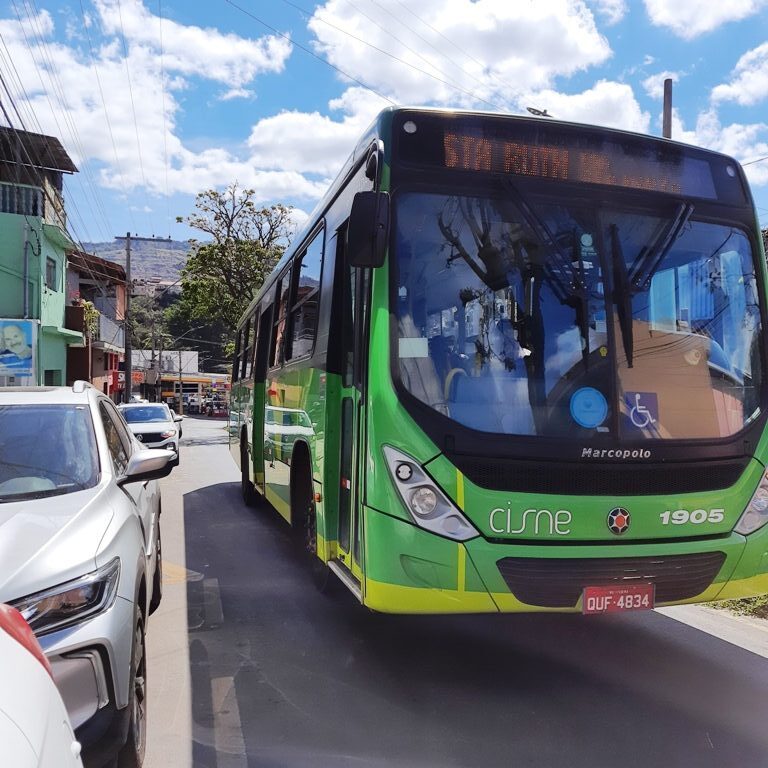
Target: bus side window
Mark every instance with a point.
(245, 343)
(250, 348)
(281, 312)
(304, 311)
(236, 360)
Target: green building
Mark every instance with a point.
(33, 261)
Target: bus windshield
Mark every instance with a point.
(551, 318)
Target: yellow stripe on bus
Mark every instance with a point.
(460, 490)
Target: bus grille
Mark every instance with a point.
(558, 583)
(584, 479)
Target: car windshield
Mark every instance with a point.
(31, 467)
(142, 414)
(566, 320)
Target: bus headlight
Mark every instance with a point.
(755, 516)
(430, 508)
(423, 501)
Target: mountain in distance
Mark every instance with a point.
(149, 258)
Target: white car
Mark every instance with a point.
(80, 554)
(154, 424)
(35, 731)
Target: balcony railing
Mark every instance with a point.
(26, 201)
(31, 201)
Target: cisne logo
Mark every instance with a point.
(535, 521)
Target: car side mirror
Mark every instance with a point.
(177, 418)
(147, 464)
(368, 229)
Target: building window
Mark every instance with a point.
(52, 378)
(50, 273)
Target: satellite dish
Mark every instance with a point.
(538, 112)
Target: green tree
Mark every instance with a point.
(222, 275)
(147, 322)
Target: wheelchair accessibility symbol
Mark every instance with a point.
(643, 408)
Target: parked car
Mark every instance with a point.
(154, 424)
(80, 554)
(177, 420)
(35, 731)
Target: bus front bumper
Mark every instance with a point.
(409, 570)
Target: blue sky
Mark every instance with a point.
(160, 99)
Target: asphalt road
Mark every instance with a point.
(251, 668)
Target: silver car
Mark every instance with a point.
(154, 424)
(80, 554)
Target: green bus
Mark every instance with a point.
(514, 364)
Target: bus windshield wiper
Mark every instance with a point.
(650, 257)
(622, 294)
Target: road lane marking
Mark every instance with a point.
(178, 574)
(228, 730)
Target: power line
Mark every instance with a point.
(392, 56)
(480, 81)
(452, 43)
(106, 111)
(130, 92)
(165, 129)
(56, 86)
(752, 162)
(310, 52)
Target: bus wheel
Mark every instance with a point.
(304, 519)
(246, 486)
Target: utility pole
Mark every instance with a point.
(666, 130)
(129, 289)
(181, 389)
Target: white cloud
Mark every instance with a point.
(654, 85)
(192, 50)
(749, 79)
(612, 10)
(311, 142)
(606, 103)
(690, 18)
(59, 86)
(236, 93)
(740, 141)
(467, 52)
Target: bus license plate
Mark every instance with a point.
(637, 597)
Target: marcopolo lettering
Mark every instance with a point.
(615, 453)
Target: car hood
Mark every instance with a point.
(44, 542)
(143, 427)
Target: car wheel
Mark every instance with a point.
(246, 486)
(132, 753)
(157, 579)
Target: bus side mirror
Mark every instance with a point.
(368, 229)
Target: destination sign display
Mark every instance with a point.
(531, 148)
(609, 166)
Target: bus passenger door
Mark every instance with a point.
(355, 303)
(259, 396)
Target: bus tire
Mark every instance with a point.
(304, 521)
(246, 486)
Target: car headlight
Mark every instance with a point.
(755, 516)
(72, 602)
(430, 508)
(168, 433)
